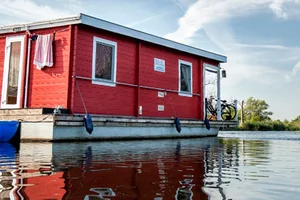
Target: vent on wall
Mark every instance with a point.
(160, 107)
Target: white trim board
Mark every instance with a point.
(115, 28)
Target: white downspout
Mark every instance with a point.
(27, 72)
(218, 94)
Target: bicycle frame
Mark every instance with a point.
(213, 109)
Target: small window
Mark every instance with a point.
(185, 78)
(104, 62)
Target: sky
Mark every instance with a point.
(259, 37)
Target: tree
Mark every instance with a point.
(297, 119)
(256, 110)
(295, 123)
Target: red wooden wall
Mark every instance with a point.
(105, 100)
(48, 87)
(174, 105)
(135, 65)
(2, 55)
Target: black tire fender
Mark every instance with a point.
(177, 124)
(88, 123)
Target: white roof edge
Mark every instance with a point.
(109, 26)
(112, 27)
(41, 24)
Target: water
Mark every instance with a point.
(235, 165)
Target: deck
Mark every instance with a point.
(42, 124)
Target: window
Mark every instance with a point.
(104, 62)
(185, 78)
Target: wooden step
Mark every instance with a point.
(29, 111)
(28, 118)
(14, 112)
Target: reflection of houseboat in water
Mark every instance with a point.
(133, 84)
(206, 168)
(119, 170)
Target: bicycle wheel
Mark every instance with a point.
(228, 112)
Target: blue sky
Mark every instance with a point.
(259, 37)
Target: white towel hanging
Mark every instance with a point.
(43, 52)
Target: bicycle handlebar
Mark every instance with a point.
(223, 101)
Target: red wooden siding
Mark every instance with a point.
(2, 55)
(49, 87)
(119, 100)
(135, 65)
(174, 105)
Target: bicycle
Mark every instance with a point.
(228, 110)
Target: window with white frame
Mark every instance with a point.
(185, 78)
(104, 62)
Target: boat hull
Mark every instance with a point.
(8, 129)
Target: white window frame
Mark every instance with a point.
(181, 93)
(100, 81)
(9, 41)
(213, 69)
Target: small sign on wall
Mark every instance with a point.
(161, 94)
(159, 65)
(160, 107)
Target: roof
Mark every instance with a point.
(115, 28)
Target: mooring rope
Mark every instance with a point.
(80, 96)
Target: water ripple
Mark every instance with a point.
(233, 166)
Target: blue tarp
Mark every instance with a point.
(7, 130)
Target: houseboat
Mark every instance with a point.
(83, 78)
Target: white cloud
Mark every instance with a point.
(208, 11)
(276, 7)
(260, 46)
(296, 69)
(20, 11)
(183, 4)
(293, 74)
(147, 19)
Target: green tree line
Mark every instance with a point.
(255, 116)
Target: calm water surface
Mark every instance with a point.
(235, 165)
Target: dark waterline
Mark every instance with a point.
(235, 165)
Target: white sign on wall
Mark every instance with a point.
(161, 94)
(160, 107)
(159, 65)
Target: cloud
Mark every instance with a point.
(20, 11)
(276, 7)
(260, 46)
(295, 71)
(183, 4)
(209, 11)
(147, 19)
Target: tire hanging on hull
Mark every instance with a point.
(88, 122)
(177, 125)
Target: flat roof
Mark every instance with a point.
(115, 28)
